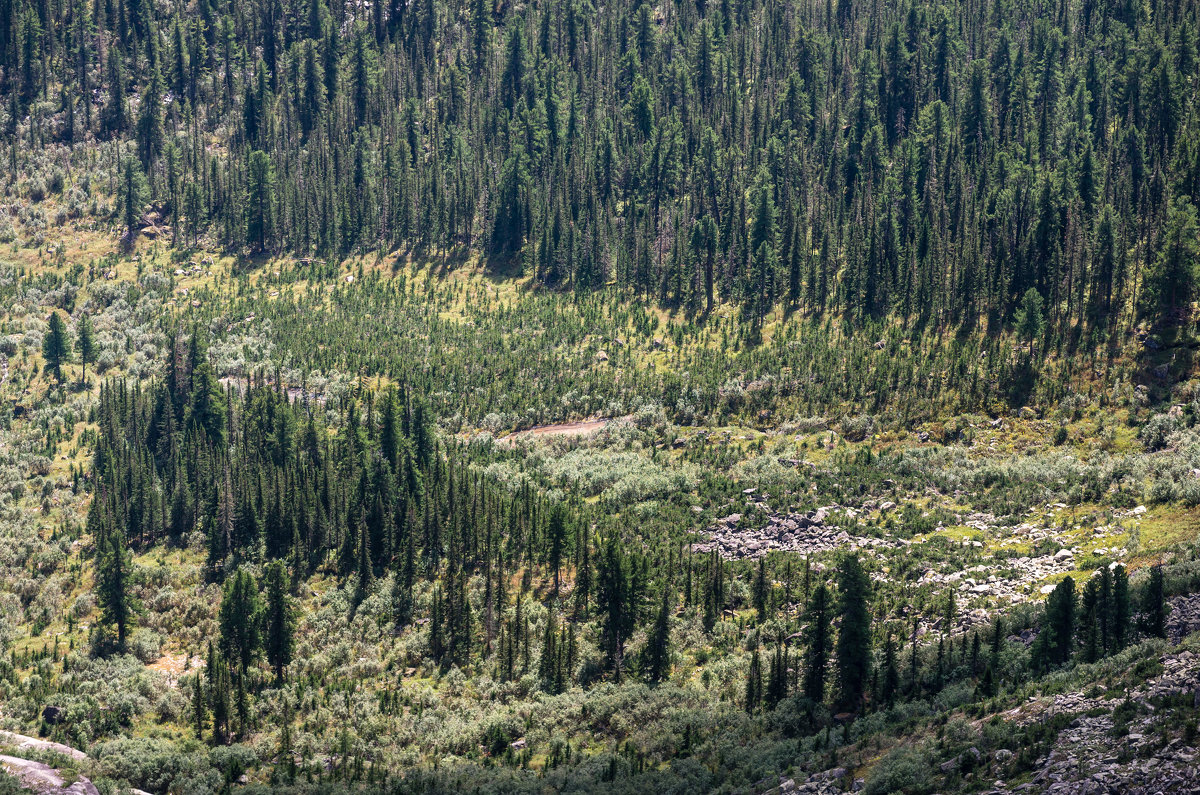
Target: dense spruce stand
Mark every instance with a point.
(928, 162)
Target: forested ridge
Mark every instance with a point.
(930, 161)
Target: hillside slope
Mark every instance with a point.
(427, 645)
(742, 396)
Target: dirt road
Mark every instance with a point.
(581, 428)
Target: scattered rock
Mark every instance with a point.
(1184, 618)
(1084, 759)
(798, 532)
(833, 774)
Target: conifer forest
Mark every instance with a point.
(770, 397)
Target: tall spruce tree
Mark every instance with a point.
(1122, 609)
(1055, 640)
(239, 619)
(278, 618)
(85, 344)
(56, 346)
(613, 600)
(854, 633)
(891, 674)
(1154, 614)
(818, 644)
(114, 584)
(658, 647)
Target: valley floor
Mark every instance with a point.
(733, 491)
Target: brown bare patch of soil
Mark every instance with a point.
(175, 665)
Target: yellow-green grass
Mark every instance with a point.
(1165, 528)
